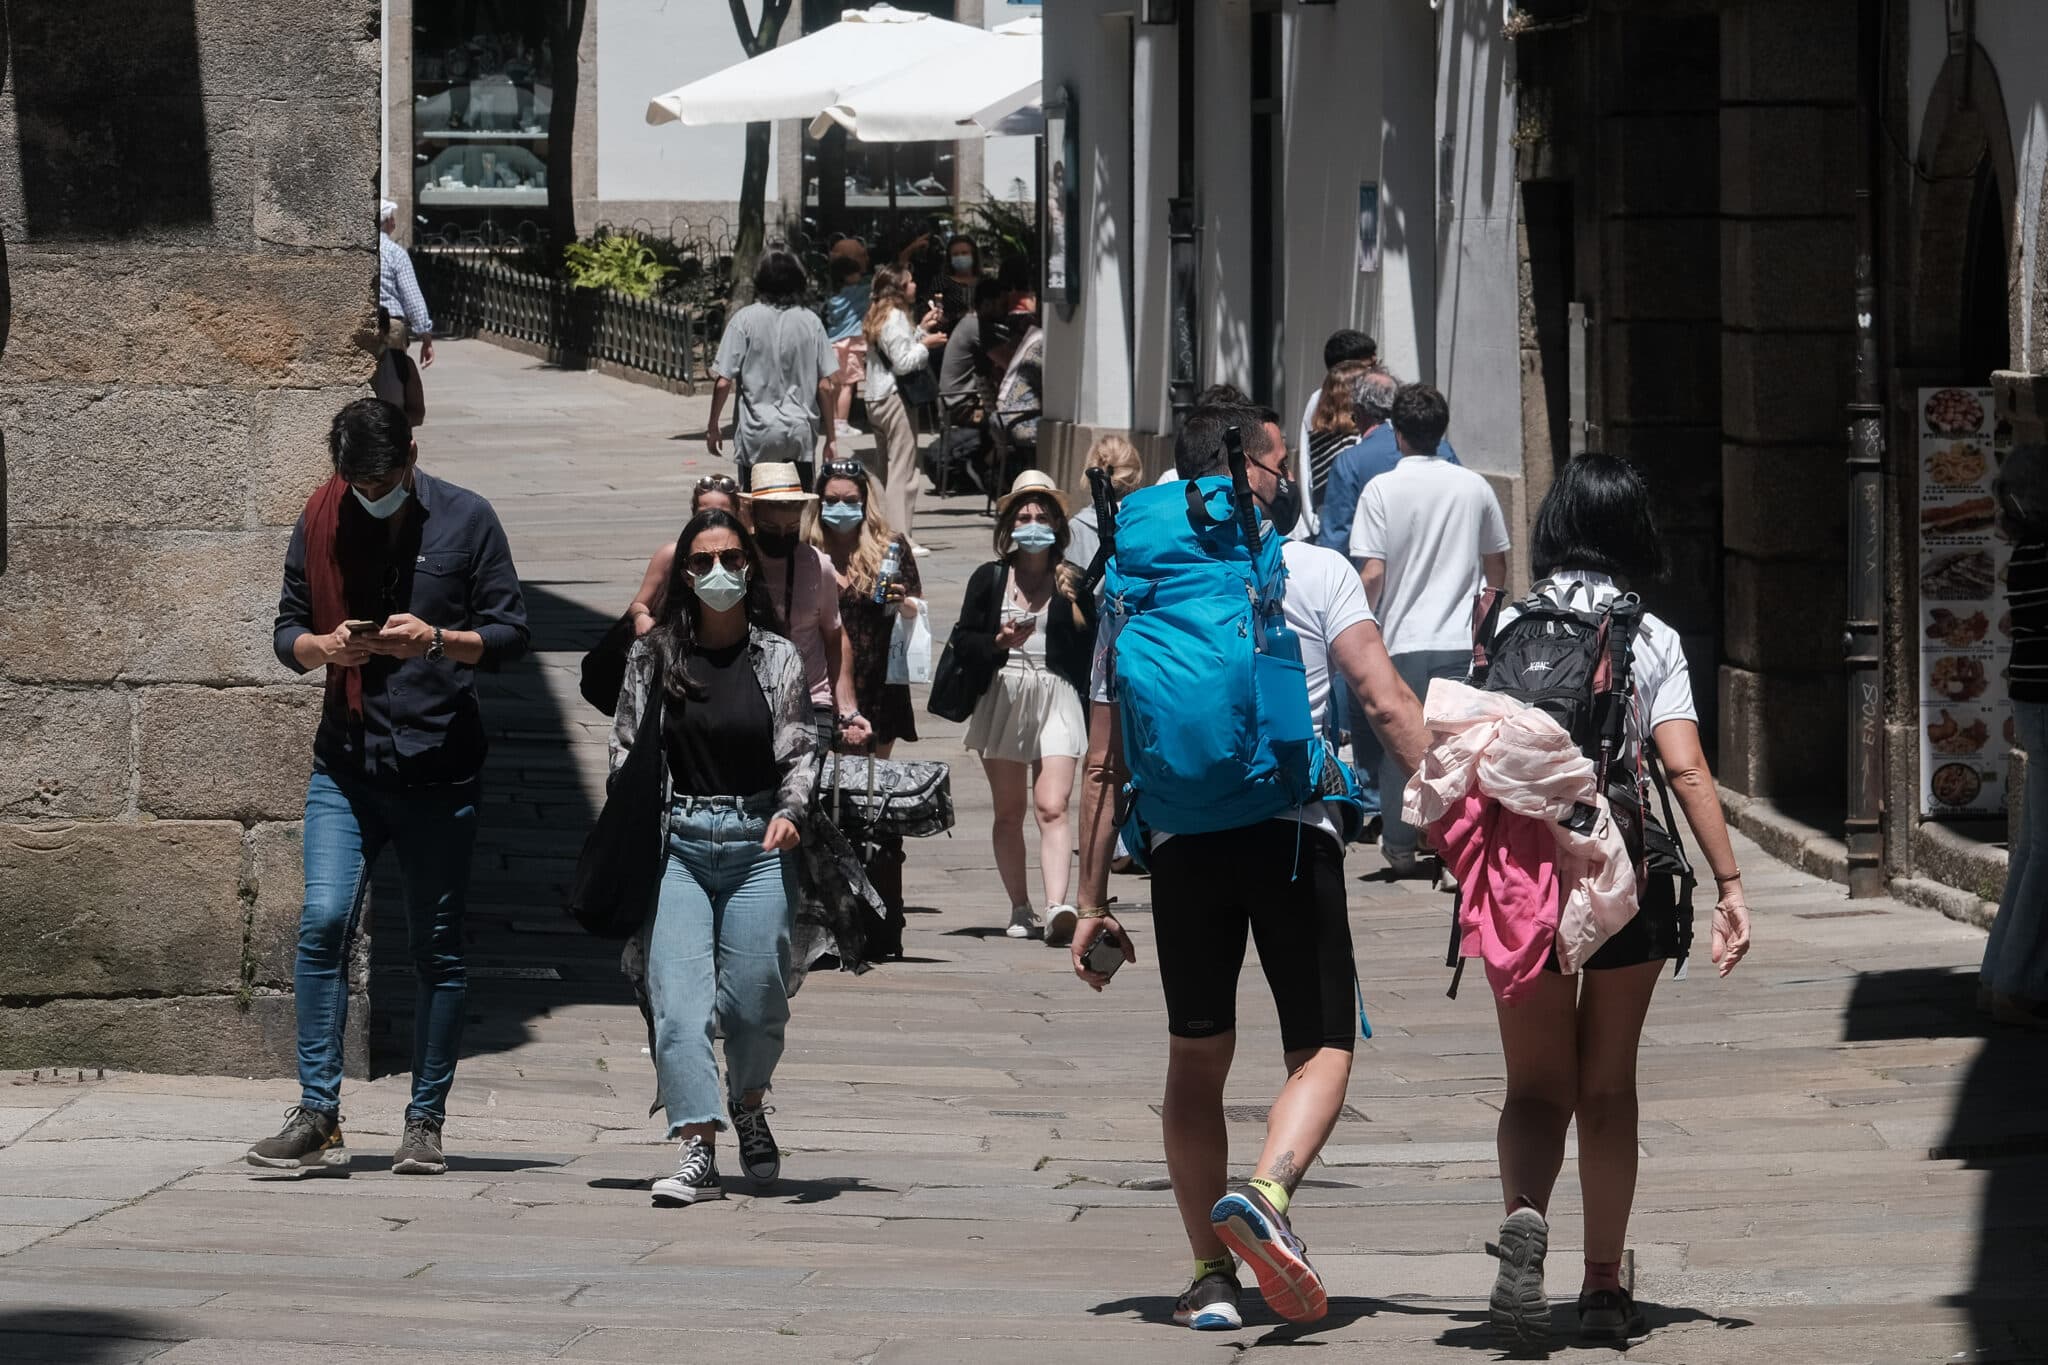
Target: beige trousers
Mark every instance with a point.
(892, 468)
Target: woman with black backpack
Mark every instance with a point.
(1571, 1041)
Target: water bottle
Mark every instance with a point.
(892, 564)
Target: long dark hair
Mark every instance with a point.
(676, 632)
(1597, 517)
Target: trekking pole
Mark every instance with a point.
(1100, 490)
(1241, 488)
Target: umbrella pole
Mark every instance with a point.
(892, 186)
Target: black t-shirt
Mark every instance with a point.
(723, 745)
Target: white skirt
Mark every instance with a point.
(1027, 714)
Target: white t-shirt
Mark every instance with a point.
(1661, 677)
(1324, 599)
(1429, 521)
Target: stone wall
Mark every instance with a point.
(187, 199)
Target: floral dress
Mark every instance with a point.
(869, 625)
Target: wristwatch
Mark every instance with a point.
(434, 650)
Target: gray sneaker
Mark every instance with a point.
(309, 1141)
(420, 1151)
(1518, 1307)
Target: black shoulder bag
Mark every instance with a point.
(962, 676)
(618, 874)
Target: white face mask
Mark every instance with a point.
(385, 507)
(720, 588)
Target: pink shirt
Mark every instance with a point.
(815, 614)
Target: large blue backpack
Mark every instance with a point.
(1206, 674)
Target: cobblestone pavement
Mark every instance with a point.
(1837, 1166)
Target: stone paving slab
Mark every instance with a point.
(973, 1163)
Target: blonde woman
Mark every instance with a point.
(1126, 472)
(896, 347)
(1026, 610)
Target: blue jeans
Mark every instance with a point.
(1397, 836)
(433, 830)
(2016, 957)
(718, 961)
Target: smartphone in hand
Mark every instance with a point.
(363, 627)
(1105, 955)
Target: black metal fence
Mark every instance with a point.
(477, 292)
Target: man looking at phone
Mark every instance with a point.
(401, 586)
(1283, 880)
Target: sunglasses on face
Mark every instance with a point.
(849, 500)
(734, 561)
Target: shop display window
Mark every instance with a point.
(481, 99)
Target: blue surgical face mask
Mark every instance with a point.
(720, 589)
(962, 264)
(1033, 536)
(385, 507)
(842, 516)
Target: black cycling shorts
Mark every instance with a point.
(1285, 882)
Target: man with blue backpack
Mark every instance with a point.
(1212, 678)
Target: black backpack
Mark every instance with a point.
(1576, 664)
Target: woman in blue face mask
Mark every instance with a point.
(1027, 617)
(737, 739)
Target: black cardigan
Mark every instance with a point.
(1069, 648)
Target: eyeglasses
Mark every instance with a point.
(734, 560)
(850, 500)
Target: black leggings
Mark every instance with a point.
(1285, 882)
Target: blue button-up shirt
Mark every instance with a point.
(1356, 467)
(421, 724)
(398, 288)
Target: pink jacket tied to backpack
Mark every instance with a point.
(1498, 778)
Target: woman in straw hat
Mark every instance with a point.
(805, 590)
(1027, 609)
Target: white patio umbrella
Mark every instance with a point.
(973, 88)
(799, 78)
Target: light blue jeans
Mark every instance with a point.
(1396, 834)
(432, 830)
(2016, 957)
(718, 960)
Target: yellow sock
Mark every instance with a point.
(1222, 1265)
(1276, 1193)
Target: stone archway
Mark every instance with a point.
(1965, 133)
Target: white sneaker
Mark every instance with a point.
(1059, 925)
(920, 550)
(844, 431)
(695, 1180)
(1024, 923)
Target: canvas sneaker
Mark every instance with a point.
(695, 1180)
(759, 1156)
(1259, 1235)
(1518, 1306)
(1210, 1303)
(1060, 921)
(309, 1141)
(1024, 923)
(419, 1151)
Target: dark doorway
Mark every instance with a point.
(1986, 340)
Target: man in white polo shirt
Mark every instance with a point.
(1429, 537)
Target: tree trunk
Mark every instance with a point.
(752, 231)
(566, 37)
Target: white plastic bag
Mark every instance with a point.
(910, 647)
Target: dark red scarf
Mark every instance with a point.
(346, 556)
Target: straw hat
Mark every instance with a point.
(1033, 482)
(775, 482)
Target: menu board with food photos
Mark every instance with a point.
(1965, 631)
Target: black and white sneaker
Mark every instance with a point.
(419, 1151)
(759, 1156)
(309, 1141)
(695, 1180)
(1518, 1307)
(1210, 1303)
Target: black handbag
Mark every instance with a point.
(618, 873)
(919, 388)
(957, 686)
(604, 667)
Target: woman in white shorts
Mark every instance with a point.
(1027, 610)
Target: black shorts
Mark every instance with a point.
(1660, 930)
(1285, 882)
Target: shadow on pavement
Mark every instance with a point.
(1999, 1125)
(1481, 1335)
(1277, 1331)
(82, 1336)
(526, 955)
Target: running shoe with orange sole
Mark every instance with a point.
(1259, 1234)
